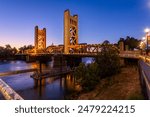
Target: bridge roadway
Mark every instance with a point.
(122, 55)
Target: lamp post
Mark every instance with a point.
(147, 30)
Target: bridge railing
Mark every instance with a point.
(129, 55)
(144, 76)
(8, 92)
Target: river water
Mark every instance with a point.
(54, 88)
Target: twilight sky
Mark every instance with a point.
(98, 20)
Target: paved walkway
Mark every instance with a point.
(146, 68)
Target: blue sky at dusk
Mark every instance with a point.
(99, 20)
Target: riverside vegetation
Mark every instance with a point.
(105, 79)
(107, 63)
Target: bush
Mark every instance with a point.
(107, 63)
(108, 60)
(87, 75)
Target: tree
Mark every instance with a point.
(1, 51)
(131, 42)
(14, 51)
(108, 60)
(87, 75)
(106, 42)
(107, 63)
(22, 49)
(80, 72)
(7, 52)
(29, 47)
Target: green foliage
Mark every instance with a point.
(108, 60)
(87, 75)
(80, 72)
(131, 42)
(107, 63)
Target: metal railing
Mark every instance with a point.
(8, 92)
(144, 76)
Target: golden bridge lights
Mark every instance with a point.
(145, 42)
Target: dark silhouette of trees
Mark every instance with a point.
(106, 42)
(87, 75)
(108, 60)
(24, 48)
(131, 42)
(7, 52)
(107, 63)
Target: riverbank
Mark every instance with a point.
(123, 86)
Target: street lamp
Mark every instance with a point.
(147, 30)
(143, 38)
(142, 43)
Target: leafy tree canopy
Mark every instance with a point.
(131, 42)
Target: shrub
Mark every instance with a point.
(87, 75)
(108, 60)
(107, 63)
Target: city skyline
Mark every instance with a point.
(99, 20)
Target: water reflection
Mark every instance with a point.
(52, 88)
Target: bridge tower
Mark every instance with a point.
(70, 31)
(40, 38)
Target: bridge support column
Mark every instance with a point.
(122, 62)
(27, 58)
(73, 61)
(39, 82)
(59, 62)
(30, 58)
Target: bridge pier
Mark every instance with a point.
(41, 81)
(122, 62)
(30, 58)
(59, 61)
(73, 61)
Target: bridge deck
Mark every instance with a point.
(125, 54)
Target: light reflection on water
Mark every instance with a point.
(53, 88)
